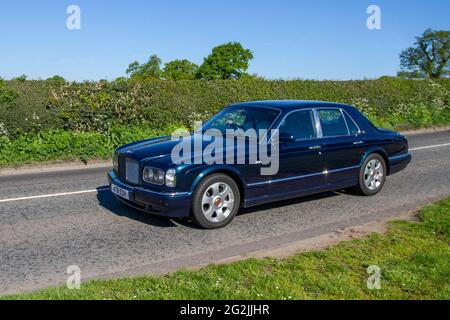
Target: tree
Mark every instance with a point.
(133, 68)
(429, 57)
(149, 70)
(56, 79)
(180, 70)
(410, 74)
(21, 78)
(227, 61)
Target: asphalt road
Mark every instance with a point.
(41, 236)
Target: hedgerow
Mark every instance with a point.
(59, 144)
(82, 116)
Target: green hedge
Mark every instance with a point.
(46, 120)
(59, 144)
(43, 105)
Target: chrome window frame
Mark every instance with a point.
(354, 122)
(318, 125)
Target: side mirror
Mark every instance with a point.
(286, 137)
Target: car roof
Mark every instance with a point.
(290, 104)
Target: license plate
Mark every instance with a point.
(120, 192)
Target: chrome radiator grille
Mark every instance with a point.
(129, 170)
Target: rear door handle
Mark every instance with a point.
(358, 142)
(315, 147)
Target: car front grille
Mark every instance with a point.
(128, 169)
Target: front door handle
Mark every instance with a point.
(358, 142)
(315, 147)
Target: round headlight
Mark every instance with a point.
(148, 175)
(159, 177)
(171, 178)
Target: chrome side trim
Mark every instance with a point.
(301, 176)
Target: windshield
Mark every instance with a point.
(244, 118)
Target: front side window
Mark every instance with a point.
(244, 118)
(299, 124)
(332, 122)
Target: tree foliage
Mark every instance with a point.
(180, 70)
(429, 57)
(151, 70)
(21, 78)
(227, 61)
(56, 79)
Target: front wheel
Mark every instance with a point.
(215, 201)
(372, 175)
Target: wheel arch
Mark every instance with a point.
(380, 152)
(231, 172)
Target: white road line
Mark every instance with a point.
(53, 195)
(428, 147)
(107, 188)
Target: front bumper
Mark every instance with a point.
(159, 203)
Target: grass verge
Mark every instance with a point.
(414, 259)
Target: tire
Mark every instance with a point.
(371, 177)
(215, 201)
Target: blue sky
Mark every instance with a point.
(321, 39)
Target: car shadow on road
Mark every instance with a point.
(108, 201)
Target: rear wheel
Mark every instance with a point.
(215, 201)
(372, 175)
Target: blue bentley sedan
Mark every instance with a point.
(253, 153)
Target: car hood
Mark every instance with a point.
(148, 149)
(158, 148)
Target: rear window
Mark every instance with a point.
(332, 122)
(351, 124)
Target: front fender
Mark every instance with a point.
(205, 170)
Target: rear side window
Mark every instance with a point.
(351, 124)
(333, 123)
(300, 124)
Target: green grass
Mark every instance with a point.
(414, 259)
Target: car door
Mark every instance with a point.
(343, 146)
(300, 157)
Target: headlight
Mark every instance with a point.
(153, 175)
(171, 178)
(116, 162)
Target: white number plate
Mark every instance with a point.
(120, 192)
